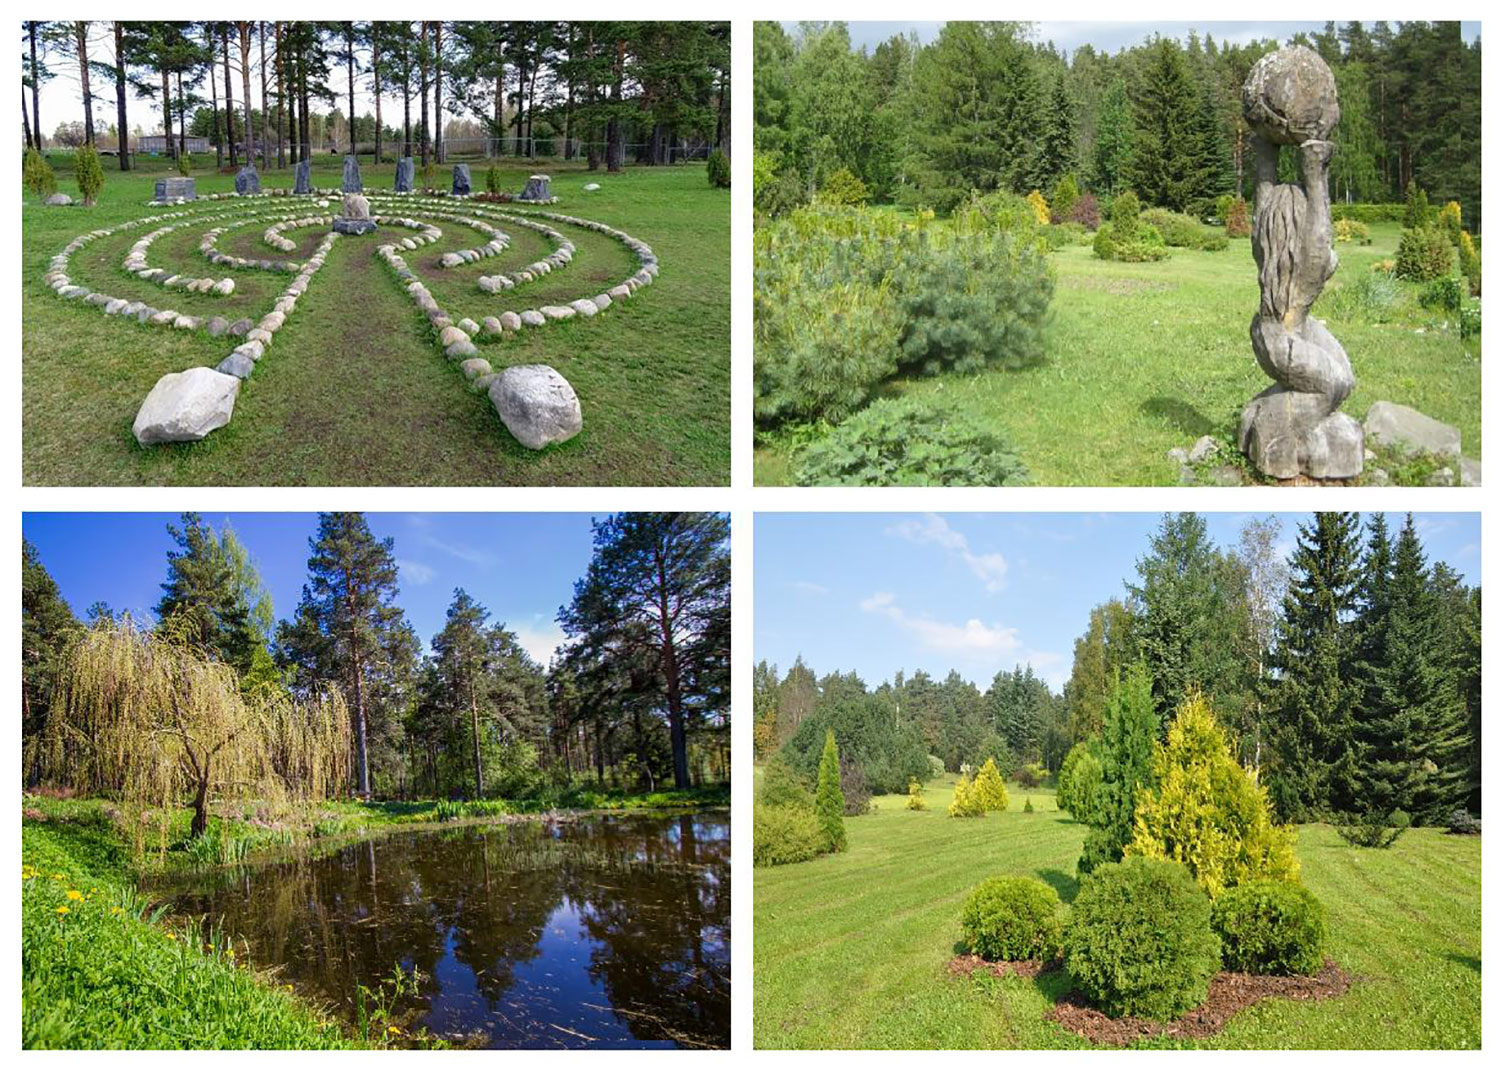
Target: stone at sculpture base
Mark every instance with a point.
(461, 184)
(170, 189)
(1283, 435)
(186, 406)
(354, 218)
(538, 188)
(405, 174)
(247, 181)
(537, 405)
(352, 182)
(303, 177)
(1403, 427)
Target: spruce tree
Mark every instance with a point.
(1057, 145)
(1167, 151)
(1113, 160)
(46, 621)
(1311, 766)
(829, 804)
(200, 602)
(1125, 753)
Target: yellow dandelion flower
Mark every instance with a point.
(394, 1031)
(62, 910)
(171, 936)
(74, 894)
(117, 910)
(59, 877)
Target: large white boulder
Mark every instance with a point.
(537, 404)
(186, 406)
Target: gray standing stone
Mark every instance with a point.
(170, 189)
(461, 185)
(303, 178)
(538, 188)
(1389, 424)
(58, 199)
(352, 183)
(406, 172)
(247, 181)
(537, 405)
(1294, 427)
(186, 406)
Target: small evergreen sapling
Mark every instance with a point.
(966, 801)
(829, 804)
(914, 799)
(37, 174)
(89, 173)
(989, 787)
(718, 170)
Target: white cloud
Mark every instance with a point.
(807, 587)
(990, 568)
(541, 640)
(415, 572)
(972, 641)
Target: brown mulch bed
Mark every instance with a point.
(1228, 993)
(968, 966)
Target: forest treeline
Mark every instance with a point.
(344, 698)
(1349, 675)
(546, 87)
(986, 106)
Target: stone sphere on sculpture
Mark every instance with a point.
(1290, 97)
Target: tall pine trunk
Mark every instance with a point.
(280, 101)
(437, 90)
(478, 760)
(80, 32)
(228, 96)
(36, 107)
(245, 85)
(123, 141)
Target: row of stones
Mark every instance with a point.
(135, 261)
(242, 358)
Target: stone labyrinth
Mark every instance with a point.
(535, 402)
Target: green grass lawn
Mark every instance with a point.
(354, 389)
(851, 949)
(1142, 358)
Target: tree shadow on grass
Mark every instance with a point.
(1471, 962)
(1176, 411)
(1065, 884)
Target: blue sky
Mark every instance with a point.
(521, 566)
(973, 592)
(1109, 36)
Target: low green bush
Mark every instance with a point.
(1031, 775)
(1068, 233)
(1271, 927)
(718, 170)
(1140, 939)
(1370, 213)
(907, 442)
(843, 187)
(1145, 245)
(1012, 919)
(1351, 230)
(786, 835)
(1468, 321)
(1423, 254)
(1183, 231)
(1372, 830)
(1445, 294)
(37, 174)
(782, 786)
(1372, 297)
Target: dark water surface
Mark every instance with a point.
(606, 932)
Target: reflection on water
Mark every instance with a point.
(605, 932)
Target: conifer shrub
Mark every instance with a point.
(1039, 207)
(1145, 244)
(37, 174)
(1468, 261)
(966, 800)
(1351, 230)
(1271, 927)
(829, 803)
(989, 787)
(1423, 254)
(1445, 294)
(1450, 218)
(1064, 196)
(1012, 919)
(1028, 809)
(1371, 829)
(972, 301)
(1078, 782)
(718, 170)
(906, 442)
(1031, 775)
(492, 181)
(1418, 213)
(915, 801)
(843, 187)
(786, 835)
(936, 767)
(185, 164)
(782, 786)
(1237, 219)
(1140, 939)
(89, 173)
(1208, 812)
(855, 788)
(1183, 231)
(1127, 742)
(1085, 210)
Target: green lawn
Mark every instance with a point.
(851, 949)
(1142, 358)
(354, 389)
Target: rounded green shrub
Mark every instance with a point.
(718, 170)
(1271, 927)
(843, 187)
(907, 443)
(787, 835)
(37, 174)
(1140, 939)
(1445, 294)
(1423, 254)
(782, 786)
(1146, 243)
(1012, 919)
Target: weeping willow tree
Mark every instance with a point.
(156, 725)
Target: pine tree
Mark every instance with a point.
(829, 803)
(460, 656)
(200, 601)
(46, 621)
(1311, 768)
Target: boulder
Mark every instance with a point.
(247, 181)
(58, 199)
(461, 184)
(1469, 472)
(475, 367)
(538, 188)
(186, 406)
(1205, 448)
(1388, 424)
(537, 405)
(237, 365)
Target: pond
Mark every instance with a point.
(596, 932)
